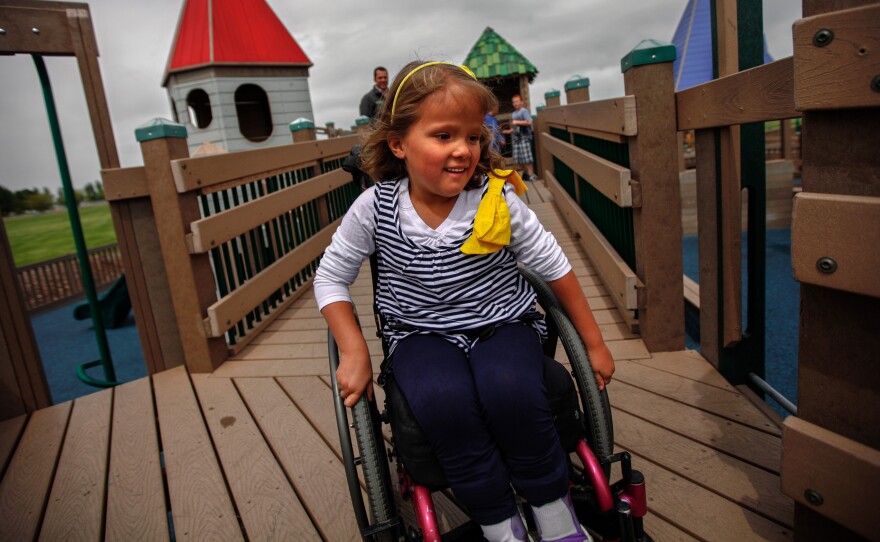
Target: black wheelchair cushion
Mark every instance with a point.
(417, 455)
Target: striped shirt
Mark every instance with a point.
(358, 237)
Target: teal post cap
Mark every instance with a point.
(301, 123)
(577, 81)
(353, 127)
(648, 52)
(360, 121)
(552, 93)
(158, 129)
(540, 108)
(330, 124)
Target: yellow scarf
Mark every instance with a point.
(492, 222)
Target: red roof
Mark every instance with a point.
(231, 32)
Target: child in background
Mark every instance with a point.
(447, 274)
(497, 141)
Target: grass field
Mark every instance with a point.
(36, 238)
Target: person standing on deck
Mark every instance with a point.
(521, 131)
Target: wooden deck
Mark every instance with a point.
(251, 451)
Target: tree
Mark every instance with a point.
(7, 201)
(90, 193)
(40, 201)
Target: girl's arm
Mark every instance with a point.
(570, 294)
(355, 372)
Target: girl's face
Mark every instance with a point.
(442, 149)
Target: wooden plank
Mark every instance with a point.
(25, 486)
(610, 179)
(660, 529)
(200, 505)
(745, 443)
(76, 502)
(691, 291)
(844, 488)
(267, 504)
(136, 506)
(701, 512)
(214, 230)
(845, 229)
(689, 364)
(125, 183)
(759, 94)
(620, 280)
(10, 431)
(259, 327)
(203, 171)
(53, 37)
(726, 404)
(739, 482)
(615, 115)
(224, 313)
(307, 460)
(839, 73)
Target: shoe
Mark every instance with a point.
(580, 534)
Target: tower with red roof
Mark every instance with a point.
(235, 76)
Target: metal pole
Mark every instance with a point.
(78, 239)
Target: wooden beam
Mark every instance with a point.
(832, 475)
(32, 30)
(836, 61)
(203, 171)
(621, 281)
(756, 95)
(614, 116)
(226, 312)
(605, 176)
(125, 183)
(213, 231)
(834, 240)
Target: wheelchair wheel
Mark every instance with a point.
(383, 524)
(597, 409)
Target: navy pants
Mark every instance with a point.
(487, 417)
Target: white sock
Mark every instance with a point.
(555, 520)
(503, 531)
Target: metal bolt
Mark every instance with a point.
(814, 497)
(826, 265)
(35, 30)
(2, 31)
(875, 83)
(823, 37)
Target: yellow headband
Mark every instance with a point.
(414, 70)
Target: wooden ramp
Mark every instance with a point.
(252, 452)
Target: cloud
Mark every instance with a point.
(345, 40)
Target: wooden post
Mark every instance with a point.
(302, 129)
(21, 369)
(330, 126)
(838, 376)
(138, 241)
(552, 98)
(361, 123)
(190, 278)
(647, 75)
(577, 89)
(786, 139)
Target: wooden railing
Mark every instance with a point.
(239, 235)
(54, 282)
(613, 169)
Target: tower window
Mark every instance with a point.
(198, 105)
(252, 108)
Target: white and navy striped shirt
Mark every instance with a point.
(426, 282)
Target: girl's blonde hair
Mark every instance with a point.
(377, 159)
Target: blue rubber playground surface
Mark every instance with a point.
(782, 305)
(65, 342)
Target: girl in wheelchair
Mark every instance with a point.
(464, 338)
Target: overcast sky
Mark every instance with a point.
(344, 39)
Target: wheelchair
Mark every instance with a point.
(582, 415)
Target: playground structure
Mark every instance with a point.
(240, 234)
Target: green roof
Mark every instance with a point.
(493, 57)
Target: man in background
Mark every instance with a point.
(371, 103)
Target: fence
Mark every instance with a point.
(54, 282)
